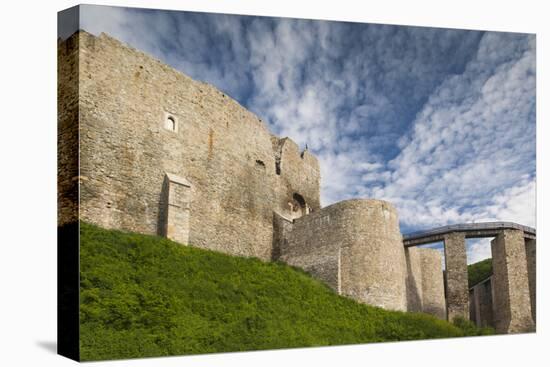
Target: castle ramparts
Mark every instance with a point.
(145, 148)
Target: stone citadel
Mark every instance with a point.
(143, 147)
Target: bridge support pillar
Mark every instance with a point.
(531, 253)
(512, 301)
(456, 269)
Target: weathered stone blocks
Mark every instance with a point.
(177, 199)
(531, 254)
(481, 303)
(456, 269)
(425, 287)
(68, 176)
(354, 246)
(140, 119)
(512, 303)
(413, 257)
(433, 288)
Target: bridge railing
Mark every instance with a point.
(468, 227)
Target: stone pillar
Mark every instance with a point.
(531, 253)
(457, 276)
(512, 303)
(433, 289)
(177, 196)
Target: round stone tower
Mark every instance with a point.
(355, 247)
(372, 259)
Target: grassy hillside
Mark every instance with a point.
(479, 271)
(147, 296)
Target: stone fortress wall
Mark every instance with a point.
(67, 130)
(160, 153)
(157, 146)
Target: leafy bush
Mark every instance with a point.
(479, 271)
(144, 296)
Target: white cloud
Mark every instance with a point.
(470, 156)
(478, 249)
(515, 204)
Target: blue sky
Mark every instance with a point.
(439, 122)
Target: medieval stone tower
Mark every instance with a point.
(144, 148)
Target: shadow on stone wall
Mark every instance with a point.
(414, 300)
(163, 204)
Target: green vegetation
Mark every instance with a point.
(479, 271)
(469, 328)
(146, 296)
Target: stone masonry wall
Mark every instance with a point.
(456, 269)
(531, 254)
(512, 303)
(281, 228)
(354, 246)
(313, 243)
(425, 285)
(127, 101)
(413, 259)
(299, 174)
(433, 288)
(481, 303)
(176, 199)
(67, 130)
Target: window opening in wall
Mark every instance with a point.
(170, 123)
(278, 167)
(260, 163)
(298, 206)
(299, 199)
